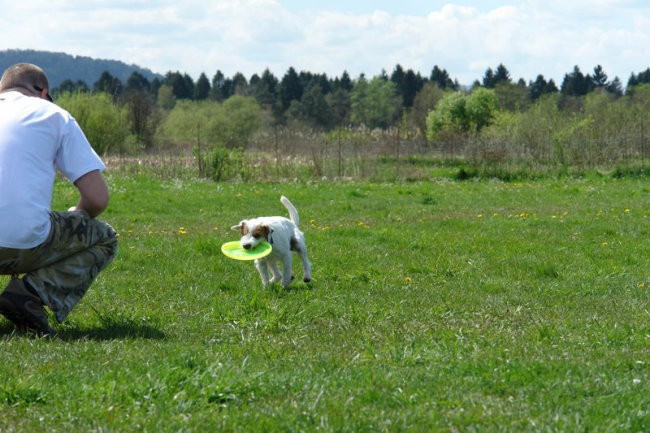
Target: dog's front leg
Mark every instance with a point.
(277, 276)
(263, 269)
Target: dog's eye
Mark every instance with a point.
(257, 235)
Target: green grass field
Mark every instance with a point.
(436, 306)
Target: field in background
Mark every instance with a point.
(436, 306)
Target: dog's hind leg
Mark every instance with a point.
(306, 264)
(287, 270)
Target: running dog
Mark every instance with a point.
(284, 236)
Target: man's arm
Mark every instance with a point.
(94, 193)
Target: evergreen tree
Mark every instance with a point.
(339, 102)
(323, 82)
(615, 87)
(182, 85)
(442, 79)
(137, 83)
(107, 83)
(576, 83)
(397, 77)
(492, 78)
(599, 79)
(217, 91)
(644, 77)
(155, 84)
(488, 78)
(290, 88)
(502, 75)
(413, 82)
(189, 85)
(345, 82)
(641, 78)
(313, 109)
(69, 86)
(551, 87)
(240, 84)
(408, 84)
(202, 88)
(540, 87)
(265, 90)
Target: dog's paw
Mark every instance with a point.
(307, 280)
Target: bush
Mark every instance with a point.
(104, 123)
(222, 164)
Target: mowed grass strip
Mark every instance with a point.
(435, 306)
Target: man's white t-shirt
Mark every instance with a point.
(37, 138)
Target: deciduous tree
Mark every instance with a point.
(375, 103)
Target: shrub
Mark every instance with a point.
(103, 122)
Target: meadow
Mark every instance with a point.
(436, 306)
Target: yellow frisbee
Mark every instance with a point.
(235, 251)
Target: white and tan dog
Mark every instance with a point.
(284, 236)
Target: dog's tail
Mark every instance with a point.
(293, 213)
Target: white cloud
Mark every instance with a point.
(529, 37)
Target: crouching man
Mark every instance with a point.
(59, 253)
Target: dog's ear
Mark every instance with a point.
(242, 227)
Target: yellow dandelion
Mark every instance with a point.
(641, 285)
(604, 244)
(479, 216)
(182, 231)
(627, 211)
(407, 280)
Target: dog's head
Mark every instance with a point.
(252, 233)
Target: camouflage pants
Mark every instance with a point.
(62, 268)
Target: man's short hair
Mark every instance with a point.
(24, 75)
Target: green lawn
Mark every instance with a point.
(436, 306)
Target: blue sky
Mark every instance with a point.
(529, 37)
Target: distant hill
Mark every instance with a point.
(61, 66)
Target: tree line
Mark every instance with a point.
(319, 101)
(227, 112)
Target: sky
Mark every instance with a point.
(529, 37)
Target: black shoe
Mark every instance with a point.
(24, 308)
